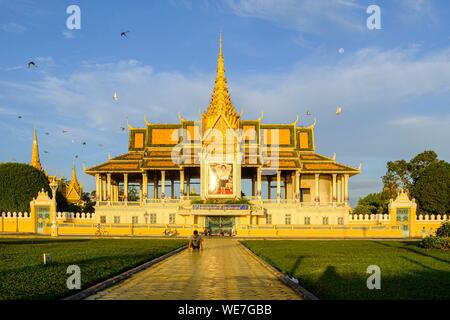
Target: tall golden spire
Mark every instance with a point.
(35, 161)
(74, 174)
(74, 190)
(220, 100)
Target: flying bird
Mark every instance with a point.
(124, 34)
(47, 133)
(84, 143)
(45, 151)
(115, 96)
(338, 110)
(122, 128)
(32, 64)
(76, 156)
(65, 131)
(20, 117)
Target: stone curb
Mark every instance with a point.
(114, 280)
(305, 294)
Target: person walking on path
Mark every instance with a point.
(196, 241)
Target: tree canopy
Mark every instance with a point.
(424, 177)
(19, 184)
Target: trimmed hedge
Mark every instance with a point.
(436, 243)
(444, 230)
(19, 184)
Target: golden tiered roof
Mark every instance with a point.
(74, 190)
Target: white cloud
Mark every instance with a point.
(12, 27)
(67, 34)
(304, 15)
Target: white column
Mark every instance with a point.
(181, 183)
(108, 187)
(278, 185)
(104, 190)
(144, 186)
(98, 192)
(163, 184)
(333, 189)
(346, 188)
(258, 183)
(297, 186)
(317, 195)
(339, 189)
(125, 187)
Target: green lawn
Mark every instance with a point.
(337, 269)
(24, 276)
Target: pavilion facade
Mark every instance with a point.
(221, 171)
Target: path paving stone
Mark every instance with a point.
(223, 271)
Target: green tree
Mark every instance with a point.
(432, 189)
(402, 174)
(133, 194)
(19, 184)
(374, 203)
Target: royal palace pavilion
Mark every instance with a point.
(222, 171)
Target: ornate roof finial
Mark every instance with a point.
(35, 161)
(220, 101)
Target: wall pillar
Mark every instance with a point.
(98, 191)
(253, 185)
(104, 189)
(297, 185)
(155, 187)
(333, 189)
(188, 186)
(172, 187)
(339, 189)
(346, 189)
(258, 182)
(163, 184)
(317, 195)
(181, 183)
(125, 187)
(144, 186)
(278, 185)
(269, 187)
(108, 182)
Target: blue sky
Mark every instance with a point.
(282, 57)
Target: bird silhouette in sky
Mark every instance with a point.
(122, 128)
(76, 156)
(47, 133)
(20, 117)
(65, 131)
(32, 64)
(45, 151)
(84, 143)
(124, 34)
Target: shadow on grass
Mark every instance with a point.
(412, 247)
(426, 285)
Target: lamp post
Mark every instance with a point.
(53, 187)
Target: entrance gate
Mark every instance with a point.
(403, 218)
(218, 224)
(43, 217)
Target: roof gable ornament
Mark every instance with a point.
(146, 121)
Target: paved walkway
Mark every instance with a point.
(223, 271)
